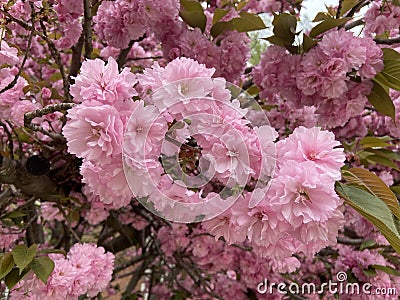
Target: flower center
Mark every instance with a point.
(313, 156)
(304, 197)
(232, 153)
(184, 89)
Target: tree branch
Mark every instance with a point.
(87, 28)
(357, 7)
(392, 41)
(354, 24)
(339, 9)
(121, 60)
(28, 117)
(76, 59)
(15, 173)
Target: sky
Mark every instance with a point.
(312, 7)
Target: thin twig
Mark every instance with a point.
(14, 81)
(52, 47)
(20, 150)
(131, 262)
(123, 55)
(28, 117)
(357, 7)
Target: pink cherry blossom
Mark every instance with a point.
(103, 82)
(94, 132)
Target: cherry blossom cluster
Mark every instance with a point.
(241, 269)
(299, 203)
(11, 105)
(94, 132)
(199, 107)
(68, 14)
(119, 22)
(300, 212)
(286, 218)
(382, 17)
(87, 269)
(334, 76)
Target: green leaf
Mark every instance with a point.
(245, 23)
(326, 25)
(391, 70)
(385, 153)
(193, 14)
(253, 90)
(396, 189)
(14, 214)
(367, 244)
(375, 142)
(14, 277)
(275, 40)
(249, 22)
(374, 185)
(23, 255)
(386, 269)
(308, 42)
(381, 79)
(381, 100)
(219, 13)
(347, 5)
(6, 264)
(369, 272)
(42, 267)
(373, 209)
(322, 16)
(285, 27)
(374, 159)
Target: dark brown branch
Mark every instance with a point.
(354, 24)
(339, 9)
(87, 28)
(135, 278)
(76, 59)
(349, 241)
(357, 7)
(34, 232)
(126, 239)
(15, 173)
(20, 148)
(392, 41)
(131, 262)
(123, 55)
